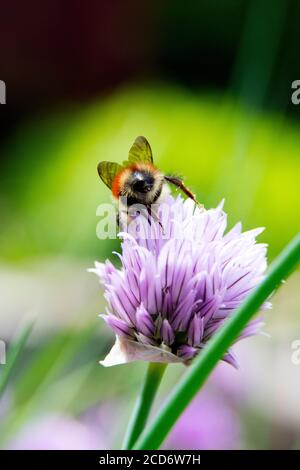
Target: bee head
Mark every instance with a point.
(142, 182)
(139, 183)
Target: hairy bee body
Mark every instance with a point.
(140, 183)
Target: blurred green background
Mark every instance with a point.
(209, 85)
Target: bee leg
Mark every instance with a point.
(152, 214)
(123, 219)
(180, 184)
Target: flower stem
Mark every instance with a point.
(144, 403)
(187, 388)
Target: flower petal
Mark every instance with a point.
(125, 351)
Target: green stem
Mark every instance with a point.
(185, 391)
(144, 403)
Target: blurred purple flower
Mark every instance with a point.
(213, 419)
(208, 423)
(57, 432)
(177, 286)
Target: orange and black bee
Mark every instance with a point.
(138, 181)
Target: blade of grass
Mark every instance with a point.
(46, 366)
(43, 370)
(144, 403)
(187, 388)
(14, 353)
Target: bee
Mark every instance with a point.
(137, 180)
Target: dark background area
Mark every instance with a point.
(59, 51)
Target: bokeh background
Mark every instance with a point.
(209, 84)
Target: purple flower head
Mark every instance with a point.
(177, 285)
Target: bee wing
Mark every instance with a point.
(140, 151)
(107, 172)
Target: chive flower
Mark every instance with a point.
(181, 277)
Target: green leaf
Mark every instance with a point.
(49, 363)
(190, 384)
(43, 370)
(14, 353)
